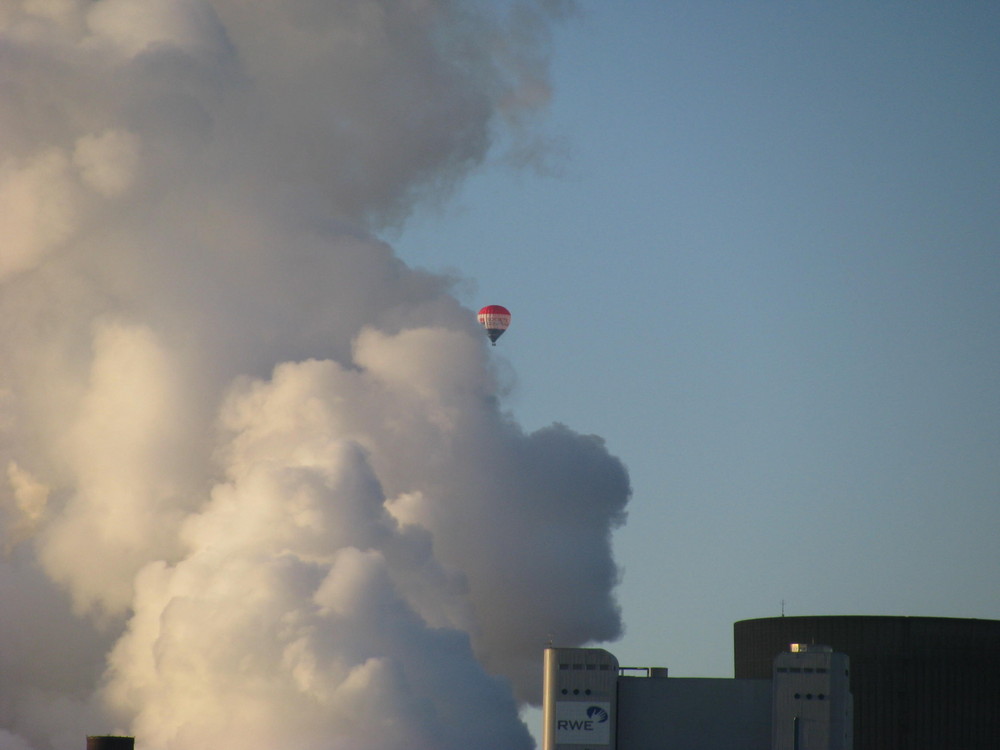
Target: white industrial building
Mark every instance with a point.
(590, 702)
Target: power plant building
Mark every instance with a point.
(591, 703)
(811, 701)
(919, 683)
(801, 683)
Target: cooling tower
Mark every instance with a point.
(919, 683)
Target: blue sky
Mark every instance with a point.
(764, 265)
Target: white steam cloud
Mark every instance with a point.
(257, 486)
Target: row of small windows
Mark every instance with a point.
(576, 691)
(820, 670)
(809, 696)
(588, 667)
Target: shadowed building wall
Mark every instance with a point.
(693, 712)
(919, 683)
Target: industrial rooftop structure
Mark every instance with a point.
(801, 683)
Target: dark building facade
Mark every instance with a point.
(919, 683)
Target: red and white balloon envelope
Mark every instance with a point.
(495, 319)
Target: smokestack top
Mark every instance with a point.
(110, 742)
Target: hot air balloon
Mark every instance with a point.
(495, 319)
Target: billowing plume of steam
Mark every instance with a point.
(258, 489)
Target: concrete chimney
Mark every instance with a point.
(110, 743)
